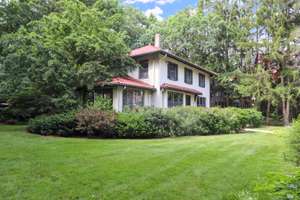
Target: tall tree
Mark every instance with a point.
(65, 52)
(280, 19)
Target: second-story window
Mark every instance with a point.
(172, 71)
(188, 76)
(202, 80)
(143, 70)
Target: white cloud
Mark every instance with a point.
(160, 2)
(157, 12)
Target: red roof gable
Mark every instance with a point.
(129, 81)
(179, 88)
(144, 50)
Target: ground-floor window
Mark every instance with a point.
(104, 92)
(133, 97)
(201, 101)
(175, 99)
(187, 100)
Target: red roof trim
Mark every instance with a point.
(179, 88)
(129, 81)
(144, 50)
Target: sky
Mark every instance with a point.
(161, 8)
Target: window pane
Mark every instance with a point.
(143, 70)
(201, 80)
(172, 71)
(188, 100)
(201, 101)
(133, 97)
(175, 99)
(188, 76)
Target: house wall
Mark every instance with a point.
(158, 74)
(163, 65)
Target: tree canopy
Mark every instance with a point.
(59, 48)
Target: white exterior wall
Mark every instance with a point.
(163, 65)
(158, 74)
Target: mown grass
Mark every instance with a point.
(200, 167)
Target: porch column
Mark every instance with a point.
(118, 99)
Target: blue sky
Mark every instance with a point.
(161, 8)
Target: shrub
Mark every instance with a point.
(101, 103)
(94, 122)
(148, 122)
(145, 123)
(59, 124)
(199, 121)
(254, 118)
(204, 121)
(242, 118)
(294, 141)
(30, 103)
(280, 187)
(131, 125)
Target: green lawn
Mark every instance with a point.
(202, 167)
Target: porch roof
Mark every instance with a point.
(128, 81)
(180, 88)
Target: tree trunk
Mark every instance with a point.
(286, 111)
(268, 112)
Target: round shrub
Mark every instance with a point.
(59, 124)
(145, 123)
(190, 120)
(95, 122)
(200, 121)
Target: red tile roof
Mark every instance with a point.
(144, 50)
(179, 88)
(129, 81)
(150, 49)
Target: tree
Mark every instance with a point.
(280, 19)
(63, 54)
(257, 85)
(15, 13)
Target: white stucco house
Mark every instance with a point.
(164, 80)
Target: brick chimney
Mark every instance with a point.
(157, 40)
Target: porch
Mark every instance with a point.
(126, 92)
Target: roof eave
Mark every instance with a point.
(187, 62)
(127, 85)
(163, 52)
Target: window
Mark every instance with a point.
(143, 70)
(201, 101)
(172, 71)
(202, 80)
(133, 98)
(175, 99)
(187, 100)
(188, 76)
(104, 92)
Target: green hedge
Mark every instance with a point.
(294, 141)
(148, 122)
(59, 124)
(145, 123)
